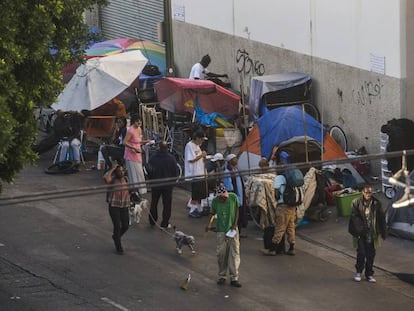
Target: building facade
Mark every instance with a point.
(357, 53)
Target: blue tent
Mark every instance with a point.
(281, 124)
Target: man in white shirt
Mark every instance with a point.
(194, 166)
(200, 72)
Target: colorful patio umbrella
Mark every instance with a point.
(153, 52)
(99, 80)
(180, 95)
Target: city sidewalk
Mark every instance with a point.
(395, 256)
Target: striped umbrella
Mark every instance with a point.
(153, 52)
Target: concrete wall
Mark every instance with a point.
(343, 31)
(408, 37)
(358, 100)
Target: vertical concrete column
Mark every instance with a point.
(408, 36)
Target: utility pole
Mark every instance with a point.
(168, 39)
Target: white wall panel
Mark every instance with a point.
(342, 31)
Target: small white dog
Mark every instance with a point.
(181, 239)
(135, 211)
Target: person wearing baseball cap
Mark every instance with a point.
(194, 159)
(213, 167)
(225, 209)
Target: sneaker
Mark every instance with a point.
(371, 279)
(291, 252)
(357, 277)
(167, 227)
(268, 252)
(195, 214)
(235, 284)
(221, 281)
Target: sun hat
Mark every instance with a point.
(217, 157)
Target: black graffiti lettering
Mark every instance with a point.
(367, 93)
(246, 65)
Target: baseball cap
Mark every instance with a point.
(230, 156)
(284, 156)
(217, 157)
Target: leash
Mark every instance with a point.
(155, 223)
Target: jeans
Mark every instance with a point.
(74, 146)
(120, 221)
(365, 257)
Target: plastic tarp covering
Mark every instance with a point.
(181, 95)
(261, 85)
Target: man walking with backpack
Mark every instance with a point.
(288, 197)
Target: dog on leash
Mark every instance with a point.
(182, 239)
(138, 204)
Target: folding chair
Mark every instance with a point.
(69, 154)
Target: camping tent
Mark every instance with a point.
(280, 125)
(275, 90)
(401, 220)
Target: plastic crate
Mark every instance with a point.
(343, 203)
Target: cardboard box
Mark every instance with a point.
(343, 203)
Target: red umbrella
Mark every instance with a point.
(180, 95)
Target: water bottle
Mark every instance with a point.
(101, 161)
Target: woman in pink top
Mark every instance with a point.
(133, 156)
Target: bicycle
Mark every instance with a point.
(339, 136)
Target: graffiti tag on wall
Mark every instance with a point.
(367, 93)
(246, 65)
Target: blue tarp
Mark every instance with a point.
(208, 119)
(283, 123)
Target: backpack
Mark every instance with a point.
(294, 177)
(292, 195)
(294, 180)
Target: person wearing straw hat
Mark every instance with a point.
(225, 208)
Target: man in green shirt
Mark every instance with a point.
(225, 208)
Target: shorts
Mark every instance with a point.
(198, 190)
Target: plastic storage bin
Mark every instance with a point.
(343, 203)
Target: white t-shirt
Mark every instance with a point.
(198, 72)
(280, 184)
(192, 151)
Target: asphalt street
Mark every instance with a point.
(57, 254)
